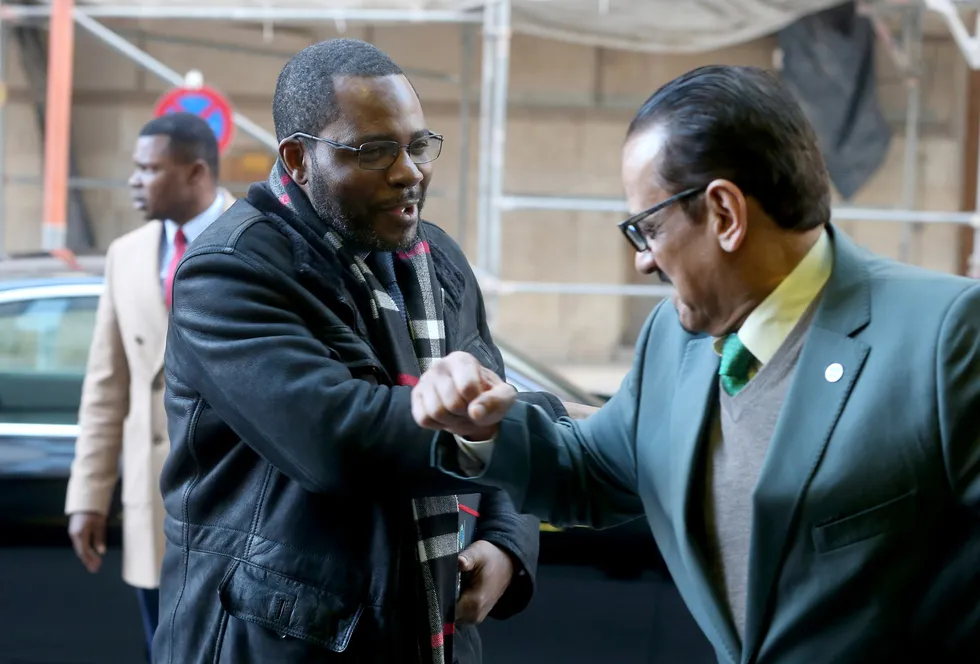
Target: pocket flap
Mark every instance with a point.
(891, 515)
(290, 607)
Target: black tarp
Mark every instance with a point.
(829, 64)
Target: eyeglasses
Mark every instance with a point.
(629, 227)
(380, 155)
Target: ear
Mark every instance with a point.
(726, 213)
(292, 152)
(197, 172)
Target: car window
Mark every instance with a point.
(46, 335)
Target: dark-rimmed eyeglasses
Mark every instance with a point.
(380, 155)
(630, 227)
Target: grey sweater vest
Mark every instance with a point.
(741, 430)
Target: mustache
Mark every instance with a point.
(412, 196)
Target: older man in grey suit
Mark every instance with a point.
(801, 426)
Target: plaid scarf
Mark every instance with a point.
(410, 340)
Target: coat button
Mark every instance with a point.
(157, 439)
(158, 383)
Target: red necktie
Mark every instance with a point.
(180, 245)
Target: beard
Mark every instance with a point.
(355, 226)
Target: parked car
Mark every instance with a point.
(47, 316)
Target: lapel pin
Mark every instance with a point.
(834, 372)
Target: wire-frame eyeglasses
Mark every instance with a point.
(632, 232)
(380, 155)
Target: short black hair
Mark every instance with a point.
(304, 97)
(740, 124)
(191, 138)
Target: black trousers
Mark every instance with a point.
(150, 612)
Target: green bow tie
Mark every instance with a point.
(736, 363)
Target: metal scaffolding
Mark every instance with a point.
(909, 59)
(492, 200)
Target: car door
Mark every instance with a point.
(45, 334)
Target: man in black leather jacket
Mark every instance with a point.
(305, 522)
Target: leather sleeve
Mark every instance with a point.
(518, 535)
(104, 406)
(238, 341)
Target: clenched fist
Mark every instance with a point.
(461, 396)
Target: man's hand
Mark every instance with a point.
(87, 532)
(578, 411)
(461, 396)
(487, 571)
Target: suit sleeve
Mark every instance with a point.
(567, 472)
(958, 372)
(104, 405)
(239, 341)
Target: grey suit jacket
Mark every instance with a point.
(865, 537)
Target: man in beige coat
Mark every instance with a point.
(122, 415)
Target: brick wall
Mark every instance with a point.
(569, 108)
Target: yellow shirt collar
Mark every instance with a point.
(767, 327)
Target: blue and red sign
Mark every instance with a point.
(205, 102)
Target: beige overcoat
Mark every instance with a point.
(122, 418)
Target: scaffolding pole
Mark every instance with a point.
(465, 94)
(974, 262)
(912, 231)
(254, 14)
(498, 133)
(841, 213)
(973, 268)
(483, 199)
(493, 139)
(57, 126)
(3, 133)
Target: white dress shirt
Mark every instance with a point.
(191, 229)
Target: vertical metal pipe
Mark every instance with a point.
(57, 124)
(973, 268)
(499, 134)
(465, 94)
(483, 168)
(3, 144)
(910, 175)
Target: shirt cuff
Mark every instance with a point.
(474, 455)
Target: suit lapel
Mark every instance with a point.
(829, 366)
(690, 420)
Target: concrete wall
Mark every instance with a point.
(569, 108)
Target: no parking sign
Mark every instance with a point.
(204, 102)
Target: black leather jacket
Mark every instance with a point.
(293, 458)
